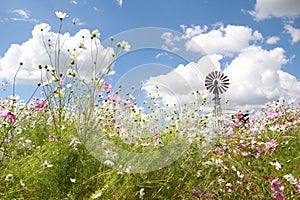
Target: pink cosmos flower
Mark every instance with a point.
(40, 104)
(6, 139)
(128, 103)
(53, 138)
(259, 151)
(99, 94)
(276, 164)
(111, 97)
(228, 185)
(275, 185)
(273, 114)
(107, 86)
(196, 193)
(8, 115)
(298, 187)
(279, 196)
(271, 145)
(207, 196)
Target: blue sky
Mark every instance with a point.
(255, 42)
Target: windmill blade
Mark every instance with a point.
(225, 86)
(222, 76)
(215, 74)
(209, 87)
(210, 77)
(208, 82)
(222, 89)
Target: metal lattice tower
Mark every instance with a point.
(217, 83)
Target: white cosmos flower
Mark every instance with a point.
(61, 15)
(81, 45)
(73, 180)
(43, 27)
(46, 164)
(69, 85)
(14, 98)
(109, 163)
(128, 169)
(22, 184)
(124, 45)
(142, 193)
(9, 177)
(71, 73)
(290, 178)
(74, 142)
(291, 101)
(96, 195)
(96, 33)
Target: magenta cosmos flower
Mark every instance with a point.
(40, 104)
(7, 115)
(196, 193)
(275, 185)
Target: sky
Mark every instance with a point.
(174, 44)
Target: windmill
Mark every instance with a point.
(217, 83)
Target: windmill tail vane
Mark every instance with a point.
(217, 83)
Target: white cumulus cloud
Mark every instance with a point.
(272, 40)
(33, 52)
(256, 77)
(265, 9)
(294, 32)
(224, 40)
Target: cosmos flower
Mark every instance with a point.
(276, 164)
(279, 196)
(124, 45)
(290, 178)
(73, 180)
(142, 193)
(8, 115)
(275, 185)
(107, 86)
(96, 34)
(96, 195)
(61, 15)
(207, 196)
(9, 177)
(196, 193)
(40, 104)
(46, 164)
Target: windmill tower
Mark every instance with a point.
(217, 83)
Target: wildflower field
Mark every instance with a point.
(73, 142)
